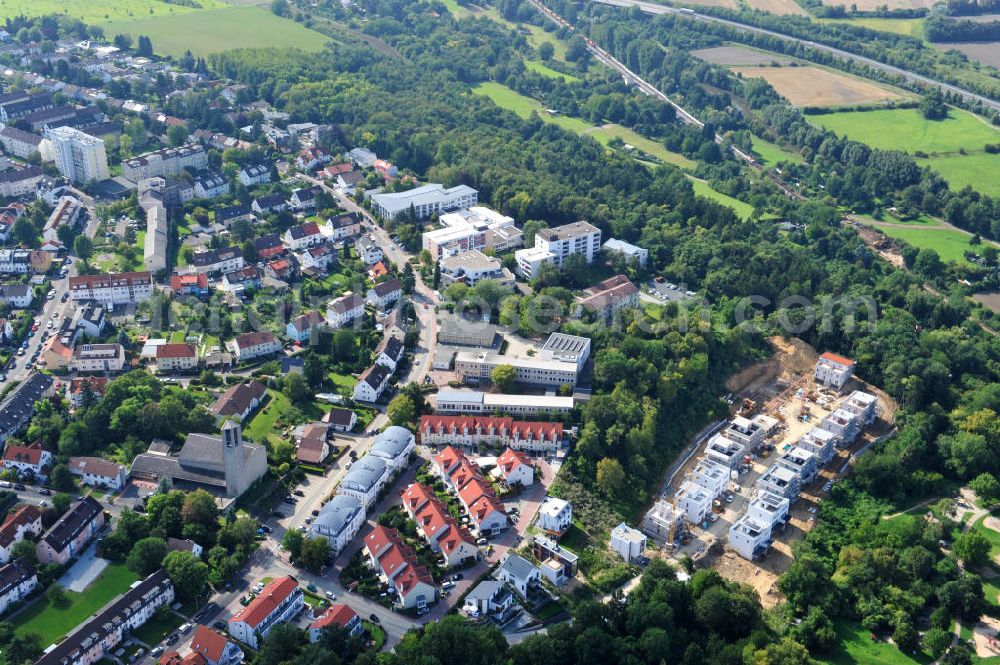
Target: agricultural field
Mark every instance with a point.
(100, 11)
(978, 170)
(702, 188)
(875, 5)
(729, 56)
(909, 27)
(987, 53)
(950, 244)
(813, 86)
(779, 7)
(213, 31)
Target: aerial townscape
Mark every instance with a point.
(514, 332)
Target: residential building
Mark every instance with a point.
(214, 647)
(227, 216)
(348, 182)
(302, 328)
(89, 320)
(520, 574)
(269, 246)
(17, 408)
(559, 362)
(477, 228)
(255, 174)
(780, 481)
(472, 266)
(364, 480)
(554, 246)
(26, 520)
(66, 213)
(555, 516)
(223, 465)
(331, 171)
(820, 442)
(385, 294)
(80, 158)
(304, 197)
(192, 284)
(386, 169)
(362, 157)
(368, 250)
(844, 424)
(833, 371)
(390, 352)
(725, 451)
(802, 462)
(344, 226)
(394, 445)
(318, 258)
(711, 475)
(239, 401)
(750, 538)
(17, 581)
(340, 420)
(154, 248)
(71, 533)
(494, 431)
(628, 543)
(238, 281)
(99, 472)
(108, 358)
(269, 203)
(15, 261)
(215, 261)
(435, 524)
(21, 108)
(311, 158)
(112, 289)
(166, 162)
(339, 521)
(663, 522)
(609, 297)
(748, 433)
(693, 501)
(210, 186)
(305, 235)
(99, 636)
(862, 405)
(489, 599)
(628, 250)
(312, 445)
(397, 566)
(767, 508)
(30, 459)
(344, 310)
(474, 402)
(424, 201)
(19, 182)
(516, 468)
(338, 615)
(371, 383)
(16, 296)
(172, 358)
(248, 346)
(278, 602)
(559, 565)
(20, 143)
(455, 330)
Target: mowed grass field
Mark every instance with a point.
(606, 133)
(909, 27)
(99, 11)
(856, 646)
(770, 154)
(548, 72)
(941, 140)
(702, 188)
(217, 30)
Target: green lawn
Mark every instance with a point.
(989, 534)
(539, 68)
(769, 154)
(907, 129)
(976, 169)
(264, 425)
(523, 106)
(536, 35)
(97, 11)
(922, 221)
(950, 244)
(157, 628)
(53, 623)
(702, 188)
(607, 132)
(213, 31)
(857, 647)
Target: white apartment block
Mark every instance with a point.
(820, 442)
(164, 162)
(781, 482)
(711, 475)
(90, 358)
(725, 451)
(662, 521)
(693, 501)
(474, 402)
(802, 462)
(768, 508)
(80, 157)
(628, 250)
(555, 516)
(833, 371)
(559, 362)
(112, 289)
(471, 267)
(477, 228)
(344, 310)
(628, 543)
(424, 201)
(744, 431)
(750, 538)
(844, 424)
(554, 246)
(861, 404)
(17, 581)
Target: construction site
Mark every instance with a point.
(798, 422)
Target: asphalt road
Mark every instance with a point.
(652, 8)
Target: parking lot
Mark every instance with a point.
(664, 292)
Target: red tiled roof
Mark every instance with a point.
(333, 170)
(483, 506)
(474, 489)
(110, 279)
(840, 360)
(189, 280)
(447, 459)
(238, 398)
(97, 384)
(209, 643)
(247, 340)
(340, 615)
(487, 425)
(28, 454)
(311, 444)
(266, 602)
(379, 539)
(456, 535)
(415, 496)
(464, 473)
(511, 459)
(16, 520)
(175, 351)
(407, 581)
(379, 270)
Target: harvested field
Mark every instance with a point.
(779, 7)
(729, 56)
(988, 53)
(812, 86)
(874, 5)
(989, 299)
(730, 4)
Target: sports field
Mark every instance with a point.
(99, 11)
(813, 86)
(213, 31)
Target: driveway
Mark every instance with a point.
(84, 571)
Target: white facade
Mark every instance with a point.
(833, 371)
(339, 521)
(694, 501)
(168, 161)
(750, 538)
(474, 402)
(724, 451)
(628, 250)
(844, 424)
(112, 289)
(781, 482)
(424, 201)
(861, 404)
(711, 475)
(554, 246)
(283, 596)
(628, 543)
(555, 516)
(820, 442)
(80, 157)
(344, 310)
(89, 358)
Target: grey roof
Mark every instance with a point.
(562, 345)
(364, 474)
(391, 443)
(14, 573)
(14, 290)
(376, 375)
(517, 567)
(72, 523)
(335, 515)
(465, 396)
(485, 590)
(393, 347)
(567, 231)
(19, 405)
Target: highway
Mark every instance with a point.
(653, 8)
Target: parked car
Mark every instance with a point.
(185, 627)
(220, 625)
(20, 487)
(331, 595)
(299, 493)
(45, 492)
(172, 639)
(374, 618)
(156, 651)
